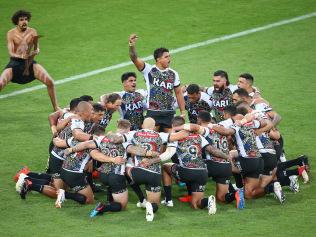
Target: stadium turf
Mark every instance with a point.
(81, 36)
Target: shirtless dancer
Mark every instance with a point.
(23, 47)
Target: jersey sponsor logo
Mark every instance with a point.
(134, 106)
(147, 134)
(166, 85)
(220, 103)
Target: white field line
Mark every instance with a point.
(173, 51)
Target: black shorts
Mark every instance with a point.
(75, 181)
(151, 180)
(54, 166)
(18, 66)
(250, 167)
(162, 118)
(219, 171)
(116, 182)
(197, 178)
(270, 162)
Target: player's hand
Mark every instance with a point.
(119, 160)
(183, 114)
(68, 151)
(145, 163)
(155, 154)
(132, 39)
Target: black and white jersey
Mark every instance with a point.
(246, 139)
(194, 108)
(105, 121)
(218, 141)
(133, 106)
(160, 85)
(149, 140)
(75, 162)
(111, 149)
(189, 151)
(220, 100)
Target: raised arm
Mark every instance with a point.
(80, 135)
(53, 119)
(221, 130)
(138, 62)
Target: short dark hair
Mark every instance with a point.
(222, 73)
(242, 107)
(231, 109)
(112, 98)
(86, 98)
(193, 88)
(97, 107)
(248, 77)
(126, 75)
(204, 116)
(178, 121)
(159, 52)
(241, 92)
(20, 13)
(74, 103)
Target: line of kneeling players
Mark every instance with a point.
(190, 154)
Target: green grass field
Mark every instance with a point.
(81, 36)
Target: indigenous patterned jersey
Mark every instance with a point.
(189, 151)
(262, 107)
(246, 139)
(194, 108)
(106, 119)
(160, 85)
(75, 162)
(133, 107)
(218, 141)
(265, 144)
(113, 150)
(65, 134)
(220, 100)
(88, 127)
(151, 141)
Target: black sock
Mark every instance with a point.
(238, 180)
(34, 175)
(89, 179)
(283, 178)
(109, 195)
(38, 181)
(291, 172)
(155, 207)
(37, 187)
(204, 202)
(167, 192)
(189, 188)
(136, 189)
(76, 197)
(112, 207)
(287, 164)
(229, 197)
(269, 188)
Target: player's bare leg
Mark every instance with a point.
(6, 77)
(42, 75)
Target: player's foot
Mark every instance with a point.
(211, 205)
(20, 181)
(240, 199)
(186, 198)
(167, 203)
(141, 204)
(302, 172)
(149, 212)
(97, 210)
(278, 192)
(60, 198)
(294, 185)
(26, 186)
(24, 170)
